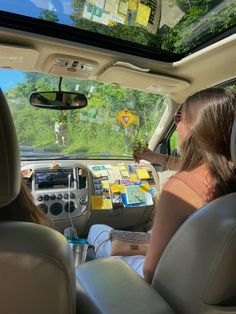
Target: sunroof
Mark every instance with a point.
(174, 26)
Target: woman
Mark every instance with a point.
(206, 171)
(23, 208)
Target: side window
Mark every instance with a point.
(229, 85)
(173, 139)
(173, 143)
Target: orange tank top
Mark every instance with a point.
(199, 181)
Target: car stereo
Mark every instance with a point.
(54, 179)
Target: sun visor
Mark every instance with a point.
(138, 78)
(17, 58)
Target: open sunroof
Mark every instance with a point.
(170, 26)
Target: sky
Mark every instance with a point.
(9, 78)
(33, 8)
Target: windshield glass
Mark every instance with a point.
(112, 124)
(176, 26)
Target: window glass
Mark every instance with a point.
(175, 26)
(109, 127)
(174, 143)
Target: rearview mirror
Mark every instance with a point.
(58, 100)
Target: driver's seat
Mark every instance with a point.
(196, 273)
(36, 263)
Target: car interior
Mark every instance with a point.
(83, 85)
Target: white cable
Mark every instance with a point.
(71, 221)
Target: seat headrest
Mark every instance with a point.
(10, 176)
(233, 143)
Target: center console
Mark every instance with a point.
(61, 192)
(83, 193)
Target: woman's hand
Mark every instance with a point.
(142, 153)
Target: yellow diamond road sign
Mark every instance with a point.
(126, 118)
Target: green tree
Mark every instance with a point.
(49, 15)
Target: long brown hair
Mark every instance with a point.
(23, 208)
(209, 115)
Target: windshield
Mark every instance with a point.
(112, 124)
(176, 26)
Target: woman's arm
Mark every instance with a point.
(166, 161)
(177, 202)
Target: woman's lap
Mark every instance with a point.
(99, 237)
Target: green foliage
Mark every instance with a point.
(202, 19)
(174, 141)
(48, 15)
(94, 129)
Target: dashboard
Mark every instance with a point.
(82, 193)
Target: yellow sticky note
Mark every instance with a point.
(142, 174)
(111, 23)
(97, 202)
(117, 188)
(107, 203)
(133, 177)
(121, 188)
(114, 188)
(96, 174)
(143, 14)
(123, 167)
(145, 187)
(123, 7)
(105, 184)
(111, 6)
(133, 4)
(124, 174)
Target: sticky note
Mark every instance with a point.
(144, 187)
(114, 174)
(97, 202)
(133, 4)
(123, 7)
(143, 14)
(117, 188)
(122, 167)
(111, 6)
(133, 177)
(114, 188)
(96, 174)
(107, 203)
(99, 3)
(101, 168)
(103, 173)
(124, 174)
(105, 184)
(142, 174)
(121, 188)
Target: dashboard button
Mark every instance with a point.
(52, 197)
(72, 195)
(43, 207)
(56, 209)
(66, 196)
(59, 196)
(83, 200)
(40, 198)
(46, 197)
(70, 207)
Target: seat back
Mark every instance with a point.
(197, 272)
(9, 157)
(36, 263)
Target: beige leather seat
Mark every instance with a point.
(36, 263)
(196, 274)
